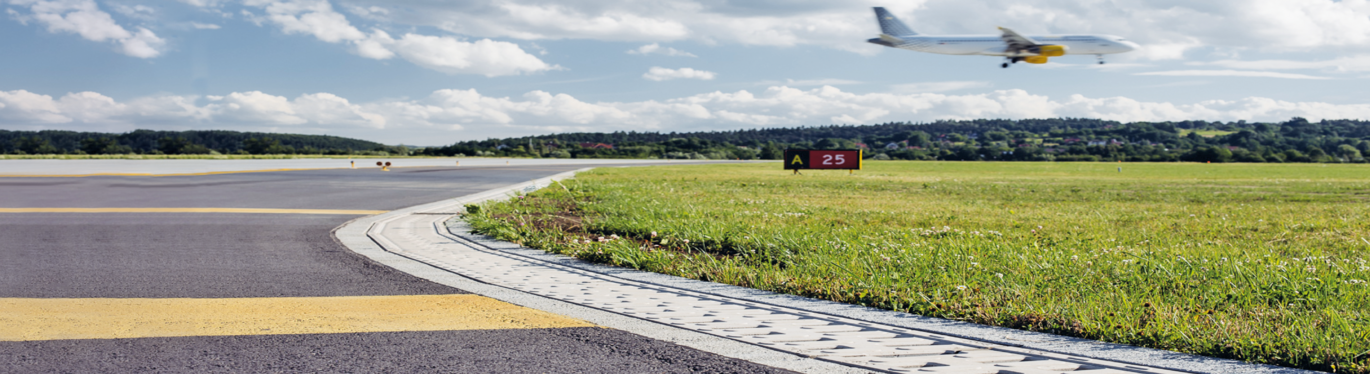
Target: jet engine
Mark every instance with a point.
(1035, 59)
(1049, 50)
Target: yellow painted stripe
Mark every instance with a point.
(151, 174)
(191, 210)
(25, 319)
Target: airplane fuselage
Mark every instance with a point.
(993, 45)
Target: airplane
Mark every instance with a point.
(1013, 46)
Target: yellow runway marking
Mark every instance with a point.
(151, 174)
(24, 319)
(191, 210)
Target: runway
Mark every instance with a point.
(239, 272)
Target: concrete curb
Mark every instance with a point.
(353, 235)
(990, 334)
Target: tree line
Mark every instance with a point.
(1055, 139)
(187, 142)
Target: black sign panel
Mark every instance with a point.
(796, 159)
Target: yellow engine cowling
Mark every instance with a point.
(1035, 59)
(1052, 50)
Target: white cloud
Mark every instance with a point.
(658, 73)
(26, 107)
(326, 108)
(449, 55)
(809, 82)
(84, 18)
(467, 114)
(923, 87)
(204, 26)
(442, 53)
(371, 12)
(1358, 63)
(203, 3)
(655, 48)
(252, 109)
(376, 45)
(143, 44)
(485, 56)
(255, 106)
(312, 17)
(1229, 73)
(139, 12)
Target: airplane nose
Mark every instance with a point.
(1129, 45)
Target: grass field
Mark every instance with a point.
(1259, 262)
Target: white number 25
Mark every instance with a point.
(829, 160)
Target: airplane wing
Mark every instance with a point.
(1016, 41)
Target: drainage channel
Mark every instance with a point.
(422, 236)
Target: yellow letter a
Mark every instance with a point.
(797, 160)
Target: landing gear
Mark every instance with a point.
(1011, 60)
(1005, 65)
(1101, 59)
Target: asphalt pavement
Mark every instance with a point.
(185, 257)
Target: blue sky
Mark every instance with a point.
(431, 72)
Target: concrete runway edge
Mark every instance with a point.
(353, 235)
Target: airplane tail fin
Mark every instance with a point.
(889, 25)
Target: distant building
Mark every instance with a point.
(892, 145)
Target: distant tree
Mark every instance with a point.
(834, 143)
(772, 151)
(918, 138)
(172, 146)
(35, 146)
(1349, 153)
(1242, 155)
(269, 146)
(1208, 154)
(97, 146)
(1318, 155)
(1293, 155)
(195, 149)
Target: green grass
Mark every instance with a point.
(1259, 262)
